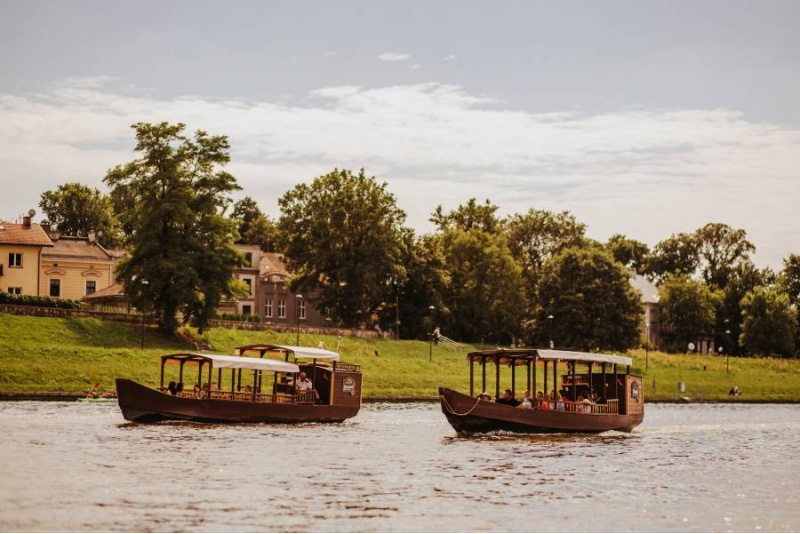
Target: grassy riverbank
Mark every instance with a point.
(50, 354)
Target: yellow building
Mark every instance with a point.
(21, 247)
(75, 267)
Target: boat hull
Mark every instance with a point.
(145, 405)
(467, 414)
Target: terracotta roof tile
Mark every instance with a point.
(16, 234)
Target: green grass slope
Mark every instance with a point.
(52, 354)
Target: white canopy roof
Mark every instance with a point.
(311, 353)
(221, 361)
(548, 354)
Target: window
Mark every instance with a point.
(91, 286)
(55, 287)
(302, 309)
(15, 290)
(281, 309)
(249, 283)
(14, 259)
(268, 308)
(248, 258)
(247, 310)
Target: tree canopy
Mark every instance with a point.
(75, 209)
(343, 234)
(591, 302)
(689, 308)
(181, 254)
(769, 323)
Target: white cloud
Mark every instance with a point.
(416, 66)
(450, 57)
(644, 173)
(391, 56)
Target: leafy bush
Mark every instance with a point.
(39, 301)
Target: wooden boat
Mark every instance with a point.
(622, 395)
(242, 389)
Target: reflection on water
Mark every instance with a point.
(397, 467)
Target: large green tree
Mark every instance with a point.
(629, 252)
(676, 255)
(181, 255)
(469, 216)
(485, 298)
(254, 227)
(343, 234)
(789, 283)
(770, 323)
(720, 249)
(75, 209)
(586, 302)
(688, 311)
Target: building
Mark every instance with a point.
(75, 267)
(21, 247)
(650, 326)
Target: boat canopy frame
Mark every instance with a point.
(529, 357)
(287, 351)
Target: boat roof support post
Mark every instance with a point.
(574, 381)
(163, 362)
(616, 386)
(544, 382)
(533, 390)
(605, 384)
(555, 378)
(210, 377)
(513, 379)
(528, 373)
(497, 378)
(471, 378)
(233, 381)
(483, 373)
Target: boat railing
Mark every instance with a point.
(611, 406)
(348, 367)
(303, 397)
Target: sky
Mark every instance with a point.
(641, 118)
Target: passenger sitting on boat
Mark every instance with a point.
(179, 388)
(485, 397)
(527, 401)
(171, 387)
(508, 399)
(304, 384)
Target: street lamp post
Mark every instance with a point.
(430, 335)
(299, 298)
(727, 354)
(647, 345)
(144, 284)
(550, 322)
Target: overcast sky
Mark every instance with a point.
(640, 118)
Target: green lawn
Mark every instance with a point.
(51, 354)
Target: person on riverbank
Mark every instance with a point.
(734, 392)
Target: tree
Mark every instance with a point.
(484, 296)
(743, 278)
(629, 252)
(720, 249)
(538, 235)
(344, 235)
(688, 310)
(181, 255)
(76, 210)
(254, 227)
(467, 217)
(770, 323)
(534, 238)
(789, 283)
(427, 281)
(675, 255)
(591, 302)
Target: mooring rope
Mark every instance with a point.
(450, 408)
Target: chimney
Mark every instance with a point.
(26, 222)
(92, 237)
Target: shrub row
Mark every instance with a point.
(40, 301)
(239, 317)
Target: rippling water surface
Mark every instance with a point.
(397, 467)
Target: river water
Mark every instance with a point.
(398, 467)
